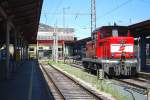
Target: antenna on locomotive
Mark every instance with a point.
(115, 24)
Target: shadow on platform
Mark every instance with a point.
(27, 83)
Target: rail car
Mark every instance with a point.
(111, 49)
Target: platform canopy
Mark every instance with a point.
(24, 15)
(140, 29)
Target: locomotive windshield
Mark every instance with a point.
(115, 33)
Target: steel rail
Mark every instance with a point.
(57, 89)
(140, 75)
(83, 87)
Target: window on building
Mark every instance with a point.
(31, 49)
(41, 48)
(59, 49)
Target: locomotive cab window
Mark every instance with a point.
(115, 33)
(119, 32)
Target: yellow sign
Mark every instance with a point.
(17, 55)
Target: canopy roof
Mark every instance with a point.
(140, 29)
(24, 15)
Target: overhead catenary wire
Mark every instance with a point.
(114, 9)
(45, 18)
(72, 14)
(54, 10)
(75, 14)
(145, 1)
(98, 18)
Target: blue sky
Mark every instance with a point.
(123, 12)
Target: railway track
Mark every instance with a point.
(134, 84)
(144, 75)
(67, 87)
(140, 84)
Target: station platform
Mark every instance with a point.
(27, 83)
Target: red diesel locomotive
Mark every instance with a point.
(112, 50)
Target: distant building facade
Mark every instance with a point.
(45, 41)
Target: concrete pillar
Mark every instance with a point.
(15, 43)
(149, 49)
(15, 50)
(37, 49)
(27, 51)
(22, 49)
(142, 52)
(7, 49)
(20, 45)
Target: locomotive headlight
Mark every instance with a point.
(131, 55)
(123, 53)
(112, 55)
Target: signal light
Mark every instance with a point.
(131, 55)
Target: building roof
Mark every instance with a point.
(141, 28)
(46, 32)
(137, 29)
(47, 28)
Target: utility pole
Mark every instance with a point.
(55, 45)
(93, 16)
(63, 46)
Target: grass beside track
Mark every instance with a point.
(100, 85)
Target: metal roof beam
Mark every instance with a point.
(29, 23)
(24, 7)
(29, 18)
(3, 13)
(22, 10)
(6, 17)
(24, 15)
(18, 4)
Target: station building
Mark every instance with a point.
(45, 41)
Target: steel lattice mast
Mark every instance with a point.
(93, 15)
